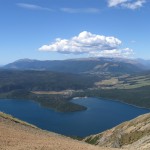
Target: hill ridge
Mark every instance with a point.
(15, 136)
(133, 134)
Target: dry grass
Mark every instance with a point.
(65, 92)
(16, 136)
(11, 118)
(133, 133)
(124, 82)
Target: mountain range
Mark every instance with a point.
(86, 65)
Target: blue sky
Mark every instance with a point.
(63, 29)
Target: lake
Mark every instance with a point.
(101, 115)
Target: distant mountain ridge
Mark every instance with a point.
(85, 65)
(146, 63)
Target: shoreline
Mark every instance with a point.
(114, 100)
(84, 97)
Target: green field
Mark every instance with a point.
(124, 82)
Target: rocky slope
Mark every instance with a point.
(18, 135)
(134, 134)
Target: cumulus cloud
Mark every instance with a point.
(32, 7)
(125, 53)
(80, 10)
(130, 4)
(134, 5)
(88, 43)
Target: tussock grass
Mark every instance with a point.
(6, 116)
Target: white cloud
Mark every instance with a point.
(33, 7)
(67, 10)
(130, 4)
(88, 43)
(134, 5)
(112, 3)
(125, 53)
(80, 10)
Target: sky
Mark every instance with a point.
(65, 29)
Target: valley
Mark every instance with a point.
(57, 94)
(123, 80)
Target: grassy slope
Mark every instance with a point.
(18, 135)
(11, 118)
(125, 134)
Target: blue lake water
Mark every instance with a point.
(100, 115)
